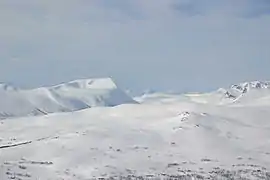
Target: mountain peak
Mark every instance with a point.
(65, 97)
(238, 90)
(246, 86)
(95, 83)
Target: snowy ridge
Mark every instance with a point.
(248, 93)
(247, 86)
(237, 90)
(66, 97)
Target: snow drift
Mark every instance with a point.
(66, 97)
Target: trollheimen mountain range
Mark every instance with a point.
(87, 93)
(66, 97)
(90, 129)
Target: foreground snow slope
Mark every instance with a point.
(66, 97)
(156, 138)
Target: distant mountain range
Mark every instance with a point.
(87, 93)
(66, 97)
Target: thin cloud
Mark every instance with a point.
(240, 8)
(140, 43)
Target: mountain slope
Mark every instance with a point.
(192, 140)
(71, 96)
(165, 136)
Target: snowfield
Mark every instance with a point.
(164, 136)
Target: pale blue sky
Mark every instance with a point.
(183, 45)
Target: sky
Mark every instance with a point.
(163, 45)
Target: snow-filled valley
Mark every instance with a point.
(224, 134)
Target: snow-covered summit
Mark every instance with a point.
(254, 92)
(65, 97)
(247, 86)
(241, 89)
(97, 83)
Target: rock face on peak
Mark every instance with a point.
(65, 97)
(247, 86)
(251, 93)
(247, 91)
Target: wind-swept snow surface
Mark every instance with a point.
(66, 97)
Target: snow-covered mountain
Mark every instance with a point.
(85, 93)
(254, 93)
(164, 136)
(71, 96)
(237, 90)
